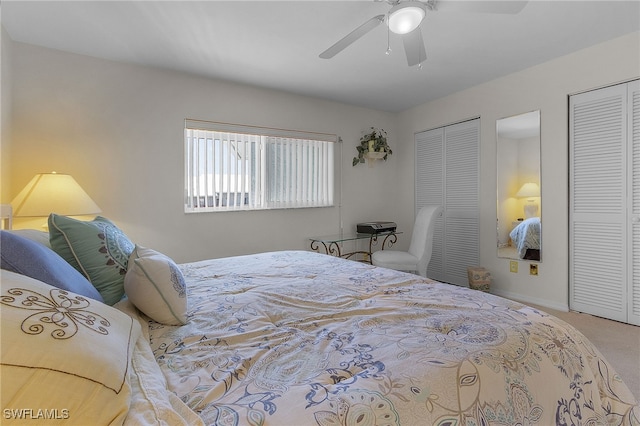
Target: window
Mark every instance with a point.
(234, 167)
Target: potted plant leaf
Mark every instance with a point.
(373, 145)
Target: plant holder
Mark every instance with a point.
(373, 146)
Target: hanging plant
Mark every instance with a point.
(372, 145)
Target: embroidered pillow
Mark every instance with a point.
(34, 260)
(98, 249)
(64, 356)
(155, 285)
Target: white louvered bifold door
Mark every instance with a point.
(447, 173)
(597, 228)
(633, 135)
(429, 187)
(461, 213)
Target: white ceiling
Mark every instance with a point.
(275, 44)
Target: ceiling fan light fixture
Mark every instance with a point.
(406, 17)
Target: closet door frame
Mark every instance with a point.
(633, 201)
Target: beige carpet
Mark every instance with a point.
(618, 342)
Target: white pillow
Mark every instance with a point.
(155, 285)
(40, 237)
(64, 356)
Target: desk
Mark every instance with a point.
(332, 243)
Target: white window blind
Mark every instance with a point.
(235, 167)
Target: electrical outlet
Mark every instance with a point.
(513, 266)
(533, 269)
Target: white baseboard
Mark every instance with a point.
(551, 304)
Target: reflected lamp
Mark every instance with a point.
(529, 190)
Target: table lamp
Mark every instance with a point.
(53, 193)
(529, 190)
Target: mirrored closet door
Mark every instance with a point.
(519, 223)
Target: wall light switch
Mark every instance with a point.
(513, 266)
(533, 269)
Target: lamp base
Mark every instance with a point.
(530, 210)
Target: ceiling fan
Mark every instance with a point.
(404, 18)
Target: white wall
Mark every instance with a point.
(545, 87)
(118, 129)
(507, 186)
(5, 115)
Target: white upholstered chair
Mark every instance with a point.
(419, 254)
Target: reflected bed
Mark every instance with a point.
(526, 238)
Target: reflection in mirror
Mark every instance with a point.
(519, 201)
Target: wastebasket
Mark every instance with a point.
(479, 278)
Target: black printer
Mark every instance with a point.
(375, 227)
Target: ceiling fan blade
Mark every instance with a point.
(414, 47)
(510, 7)
(352, 36)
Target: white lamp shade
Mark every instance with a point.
(405, 17)
(53, 193)
(528, 190)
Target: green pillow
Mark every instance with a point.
(98, 249)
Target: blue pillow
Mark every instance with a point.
(26, 257)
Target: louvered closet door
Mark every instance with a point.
(461, 200)
(429, 187)
(634, 204)
(598, 240)
(447, 173)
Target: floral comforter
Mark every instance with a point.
(300, 338)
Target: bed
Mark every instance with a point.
(295, 338)
(526, 238)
